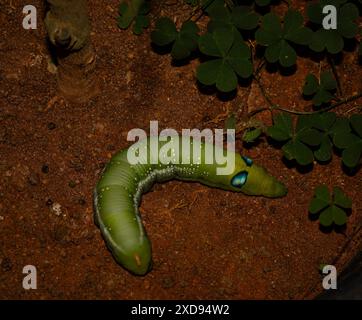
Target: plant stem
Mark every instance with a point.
(199, 7)
(273, 106)
(335, 74)
(259, 67)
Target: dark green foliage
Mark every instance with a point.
(328, 125)
(315, 135)
(277, 37)
(229, 57)
(330, 207)
(350, 140)
(141, 20)
(332, 40)
(321, 91)
(183, 41)
(232, 58)
(240, 17)
(230, 122)
(135, 12)
(297, 141)
(252, 134)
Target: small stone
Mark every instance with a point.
(45, 169)
(33, 179)
(51, 126)
(12, 76)
(82, 201)
(57, 209)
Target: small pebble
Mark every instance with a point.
(33, 179)
(51, 126)
(82, 201)
(57, 209)
(45, 169)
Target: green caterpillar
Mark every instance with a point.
(118, 193)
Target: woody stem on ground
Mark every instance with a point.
(68, 30)
(335, 74)
(272, 106)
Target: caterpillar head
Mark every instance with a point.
(252, 179)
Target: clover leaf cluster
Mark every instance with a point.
(331, 207)
(332, 40)
(135, 12)
(313, 137)
(223, 43)
(278, 37)
(321, 91)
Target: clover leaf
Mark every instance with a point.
(240, 17)
(252, 134)
(135, 10)
(277, 38)
(350, 141)
(230, 122)
(329, 125)
(297, 141)
(183, 41)
(330, 207)
(232, 59)
(332, 39)
(321, 91)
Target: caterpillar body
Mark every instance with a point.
(118, 193)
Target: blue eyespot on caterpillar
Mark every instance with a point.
(248, 161)
(240, 179)
(118, 193)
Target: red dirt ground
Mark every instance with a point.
(207, 243)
